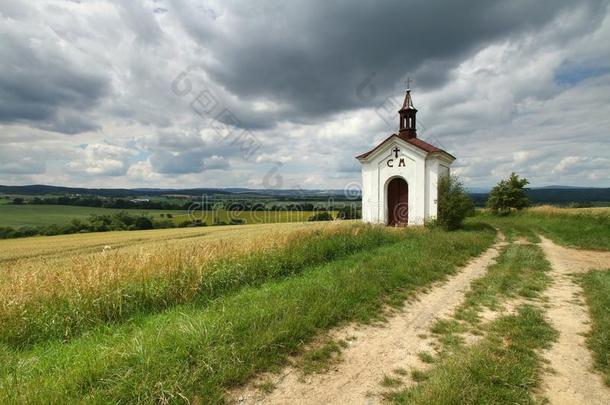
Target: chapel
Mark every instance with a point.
(400, 175)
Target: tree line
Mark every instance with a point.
(126, 221)
(205, 204)
(120, 221)
(454, 205)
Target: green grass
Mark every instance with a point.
(319, 359)
(512, 226)
(267, 387)
(503, 368)
(596, 285)
(401, 371)
(194, 352)
(254, 217)
(426, 357)
(54, 316)
(419, 376)
(15, 216)
(519, 271)
(448, 332)
(389, 382)
(588, 230)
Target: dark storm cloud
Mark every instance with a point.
(310, 57)
(40, 86)
(494, 80)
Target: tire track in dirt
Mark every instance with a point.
(572, 379)
(374, 351)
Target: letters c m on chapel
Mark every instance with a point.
(400, 175)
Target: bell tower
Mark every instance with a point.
(400, 175)
(407, 113)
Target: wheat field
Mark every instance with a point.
(65, 246)
(75, 323)
(86, 279)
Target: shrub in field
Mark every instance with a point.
(454, 204)
(508, 195)
(121, 221)
(321, 216)
(143, 222)
(349, 212)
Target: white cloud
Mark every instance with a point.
(102, 160)
(524, 89)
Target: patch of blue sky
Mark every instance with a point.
(569, 74)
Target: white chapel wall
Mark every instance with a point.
(383, 167)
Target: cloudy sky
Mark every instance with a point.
(196, 93)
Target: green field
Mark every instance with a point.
(15, 216)
(185, 315)
(178, 330)
(587, 228)
(485, 372)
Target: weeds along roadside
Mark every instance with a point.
(519, 274)
(582, 228)
(504, 365)
(596, 287)
(38, 306)
(195, 353)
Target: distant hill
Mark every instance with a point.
(477, 190)
(38, 189)
(562, 187)
(561, 195)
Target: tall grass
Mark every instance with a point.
(41, 305)
(194, 352)
(596, 285)
(584, 228)
(15, 253)
(505, 366)
(519, 272)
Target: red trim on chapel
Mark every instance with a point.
(423, 145)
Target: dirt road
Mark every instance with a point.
(375, 351)
(572, 380)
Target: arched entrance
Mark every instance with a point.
(398, 202)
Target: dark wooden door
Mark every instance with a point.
(398, 202)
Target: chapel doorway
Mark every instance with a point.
(398, 202)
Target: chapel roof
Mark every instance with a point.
(423, 145)
(407, 130)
